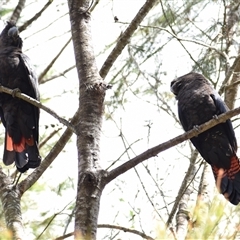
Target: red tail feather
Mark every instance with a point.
(9, 143)
(18, 147)
(228, 180)
(234, 167)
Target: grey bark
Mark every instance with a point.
(92, 92)
(10, 198)
(17, 11)
(91, 178)
(182, 216)
(185, 184)
(232, 19)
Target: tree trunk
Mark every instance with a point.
(92, 92)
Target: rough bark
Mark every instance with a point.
(10, 198)
(17, 11)
(232, 90)
(183, 190)
(91, 91)
(182, 216)
(233, 17)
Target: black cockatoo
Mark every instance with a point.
(198, 103)
(20, 118)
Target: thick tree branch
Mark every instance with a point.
(34, 18)
(17, 11)
(152, 152)
(37, 104)
(185, 184)
(231, 22)
(91, 107)
(182, 216)
(231, 93)
(124, 38)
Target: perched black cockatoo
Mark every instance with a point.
(20, 118)
(198, 103)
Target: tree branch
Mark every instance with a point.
(185, 184)
(166, 145)
(182, 216)
(124, 229)
(141, 234)
(37, 104)
(41, 76)
(229, 74)
(10, 199)
(61, 74)
(37, 15)
(51, 135)
(124, 38)
(17, 11)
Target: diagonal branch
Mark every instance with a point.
(17, 11)
(37, 104)
(124, 38)
(166, 145)
(35, 17)
(185, 184)
(43, 74)
(61, 74)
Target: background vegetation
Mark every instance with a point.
(170, 195)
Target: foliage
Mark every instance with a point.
(175, 38)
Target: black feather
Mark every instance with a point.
(198, 103)
(20, 118)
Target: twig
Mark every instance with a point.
(41, 76)
(65, 236)
(51, 135)
(50, 221)
(166, 145)
(58, 75)
(37, 104)
(143, 235)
